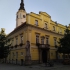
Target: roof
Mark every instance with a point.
(17, 28)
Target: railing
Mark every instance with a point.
(43, 46)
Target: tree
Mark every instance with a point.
(4, 48)
(64, 42)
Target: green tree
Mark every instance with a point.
(64, 42)
(4, 48)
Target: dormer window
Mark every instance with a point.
(36, 22)
(60, 30)
(46, 25)
(16, 40)
(53, 28)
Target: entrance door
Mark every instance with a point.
(44, 55)
(21, 61)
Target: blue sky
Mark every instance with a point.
(59, 10)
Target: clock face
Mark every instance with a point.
(24, 16)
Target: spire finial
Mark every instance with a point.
(21, 1)
(22, 5)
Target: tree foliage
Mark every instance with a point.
(4, 48)
(65, 43)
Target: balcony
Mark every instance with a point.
(42, 46)
(16, 46)
(21, 44)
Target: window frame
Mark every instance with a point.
(53, 28)
(16, 40)
(42, 40)
(37, 39)
(55, 41)
(36, 22)
(21, 38)
(47, 40)
(46, 26)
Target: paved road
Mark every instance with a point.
(34, 67)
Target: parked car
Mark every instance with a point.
(66, 61)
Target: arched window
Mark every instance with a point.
(24, 16)
(46, 25)
(53, 28)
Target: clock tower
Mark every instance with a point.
(21, 15)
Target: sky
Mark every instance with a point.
(59, 10)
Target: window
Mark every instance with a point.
(51, 53)
(17, 16)
(36, 22)
(21, 53)
(64, 31)
(47, 40)
(13, 54)
(21, 38)
(55, 42)
(45, 25)
(20, 15)
(12, 41)
(24, 16)
(60, 30)
(16, 54)
(42, 40)
(37, 39)
(16, 40)
(66, 56)
(53, 28)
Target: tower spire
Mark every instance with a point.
(22, 5)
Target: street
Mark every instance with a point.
(33, 67)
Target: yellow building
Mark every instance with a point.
(34, 38)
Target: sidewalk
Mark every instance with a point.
(33, 67)
(43, 66)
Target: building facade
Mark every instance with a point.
(35, 38)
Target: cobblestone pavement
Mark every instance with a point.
(34, 67)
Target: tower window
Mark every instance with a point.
(24, 16)
(17, 16)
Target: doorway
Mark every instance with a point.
(44, 55)
(21, 61)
